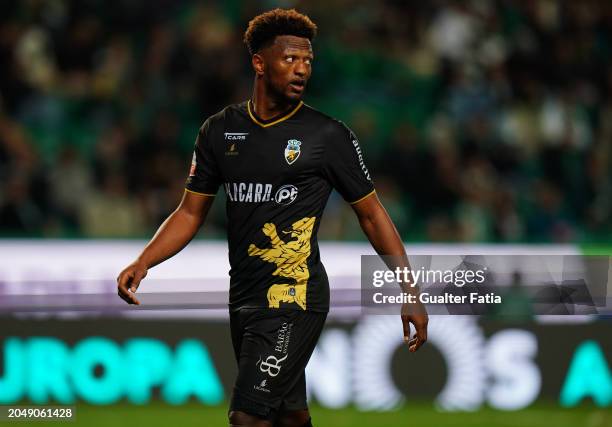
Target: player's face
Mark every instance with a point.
(287, 66)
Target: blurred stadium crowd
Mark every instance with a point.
(481, 121)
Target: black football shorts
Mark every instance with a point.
(272, 348)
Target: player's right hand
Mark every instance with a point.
(129, 280)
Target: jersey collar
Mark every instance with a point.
(274, 120)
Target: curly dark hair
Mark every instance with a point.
(263, 29)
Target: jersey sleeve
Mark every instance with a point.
(204, 176)
(344, 166)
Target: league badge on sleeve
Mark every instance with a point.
(292, 152)
(193, 165)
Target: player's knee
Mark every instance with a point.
(294, 419)
(236, 418)
(242, 419)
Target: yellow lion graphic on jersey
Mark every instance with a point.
(290, 259)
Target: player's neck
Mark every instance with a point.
(267, 107)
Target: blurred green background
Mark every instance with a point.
(481, 121)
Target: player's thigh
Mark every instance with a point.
(295, 399)
(237, 333)
(266, 363)
(276, 347)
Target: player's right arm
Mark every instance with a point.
(180, 227)
(172, 236)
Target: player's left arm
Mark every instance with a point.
(382, 234)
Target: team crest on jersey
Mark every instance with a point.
(292, 151)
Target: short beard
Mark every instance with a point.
(280, 95)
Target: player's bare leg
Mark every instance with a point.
(299, 418)
(242, 419)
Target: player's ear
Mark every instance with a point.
(258, 64)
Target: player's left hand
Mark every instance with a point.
(417, 315)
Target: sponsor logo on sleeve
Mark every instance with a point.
(192, 170)
(360, 158)
(263, 386)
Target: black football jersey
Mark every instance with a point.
(277, 175)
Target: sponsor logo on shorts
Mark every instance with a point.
(283, 337)
(262, 387)
(271, 365)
